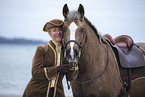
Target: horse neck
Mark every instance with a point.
(94, 53)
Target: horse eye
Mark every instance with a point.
(63, 29)
(82, 29)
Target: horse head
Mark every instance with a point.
(74, 33)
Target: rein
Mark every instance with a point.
(76, 63)
(88, 81)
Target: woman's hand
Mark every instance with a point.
(63, 68)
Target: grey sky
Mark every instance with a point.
(26, 18)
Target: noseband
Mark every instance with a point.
(79, 45)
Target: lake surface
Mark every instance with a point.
(15, 69)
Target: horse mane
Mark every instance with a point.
(75, 15)
(92, 26)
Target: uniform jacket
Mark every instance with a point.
(44, 69)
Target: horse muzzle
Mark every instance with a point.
(72, 54)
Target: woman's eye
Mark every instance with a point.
(54, 30)
(63, 29)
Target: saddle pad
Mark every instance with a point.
(130, 58)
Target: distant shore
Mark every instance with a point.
(4, 40)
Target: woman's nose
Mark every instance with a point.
(58, 32)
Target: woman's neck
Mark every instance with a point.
(56, 43)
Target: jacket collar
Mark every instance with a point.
(52, 44)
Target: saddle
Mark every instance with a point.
(129, 57)
(128, 54)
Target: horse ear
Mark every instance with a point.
(81, 10)
(65, 10)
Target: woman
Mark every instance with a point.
(47, 68)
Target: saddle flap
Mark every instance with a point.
(130, 58)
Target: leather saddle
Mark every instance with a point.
(128, 54)
(130, 59)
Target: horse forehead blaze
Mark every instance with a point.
(73, 28)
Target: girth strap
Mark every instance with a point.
(126, 85)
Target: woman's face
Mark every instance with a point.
(56, 34)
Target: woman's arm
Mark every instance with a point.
(39, 71)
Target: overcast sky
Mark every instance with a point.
(26, 18)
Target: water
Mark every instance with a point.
(15, 69)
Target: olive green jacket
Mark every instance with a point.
(44, 69)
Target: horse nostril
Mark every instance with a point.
(68, 56)
(68, 53)
(75, 53)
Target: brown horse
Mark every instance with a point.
(98, 74)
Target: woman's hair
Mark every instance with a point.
(49, 30)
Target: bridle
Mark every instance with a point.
(80, 45)
(65, 46)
